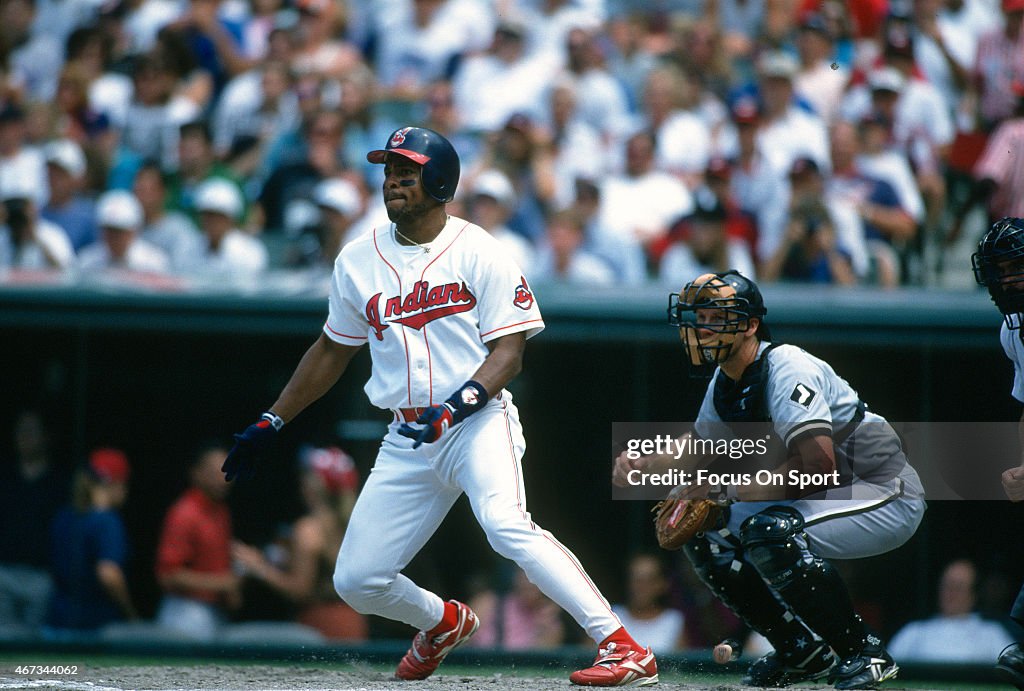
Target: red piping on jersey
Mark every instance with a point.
(430, 361)
(544, 533)
(515, 469)
(358, 338)
(509, 326)
(430, 365)
(447, 247)
(405, 343)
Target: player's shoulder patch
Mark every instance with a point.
(522, 295)
(803, 394)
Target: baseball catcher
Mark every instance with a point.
(768, 559)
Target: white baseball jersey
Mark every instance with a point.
(427, 315)
(1014, 349)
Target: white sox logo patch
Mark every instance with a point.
(802, 395)
(524, 296)
(427, 303)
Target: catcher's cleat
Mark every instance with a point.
(776, 670)
(427, 652)
(618, 664)
(1010, 665)
(865, 670)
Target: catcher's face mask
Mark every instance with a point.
(999, 266)
(711, 318)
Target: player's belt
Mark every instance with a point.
(407, 414)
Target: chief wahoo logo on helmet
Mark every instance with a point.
(712, 311)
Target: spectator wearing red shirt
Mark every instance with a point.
(193, 564)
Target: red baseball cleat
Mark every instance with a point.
(427, 652)
(619, 665)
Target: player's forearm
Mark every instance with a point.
(111, 577)
(317, 371)
(503, 363)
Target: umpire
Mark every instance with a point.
(768, 560)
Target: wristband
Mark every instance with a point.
(469, 398)
(273, 419)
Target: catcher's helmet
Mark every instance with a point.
(999, 266)
(730, 300)
(440, 173)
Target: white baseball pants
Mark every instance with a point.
(408, 494)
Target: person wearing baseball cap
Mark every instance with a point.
(67, 206)
(787, 131)
(340, 204)
(91, 548)
(491, 202)
(329, 484)
(820, 80)
(119, 216)
(26, 240)
(228, 250)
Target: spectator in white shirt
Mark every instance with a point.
(21, 166)
(492, 199)
(227, 251)
(419, 42)
(27, 241)
(119, 216)
(564, 259)
(645, 612)
(642, 202)
(601, 100)
(787, 132)
(957, 633)
(491, 87)
(171, 231)
(820, 81)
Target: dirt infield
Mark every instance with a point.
(234, 677)
(345, 677)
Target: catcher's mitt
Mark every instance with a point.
(676, 521)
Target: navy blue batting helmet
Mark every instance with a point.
(432, 151)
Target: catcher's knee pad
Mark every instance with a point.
(773, 542)
(736, 583)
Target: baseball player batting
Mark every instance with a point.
(446, 315)
(999, 266)
(768, 560)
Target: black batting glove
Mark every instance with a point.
(251, 445)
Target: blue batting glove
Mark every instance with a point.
(435, 420)
(250, 446)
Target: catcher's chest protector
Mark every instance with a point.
(745, 400)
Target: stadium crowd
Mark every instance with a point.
(179, 143)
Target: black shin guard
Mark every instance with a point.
(740, 587)
(775, 544)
